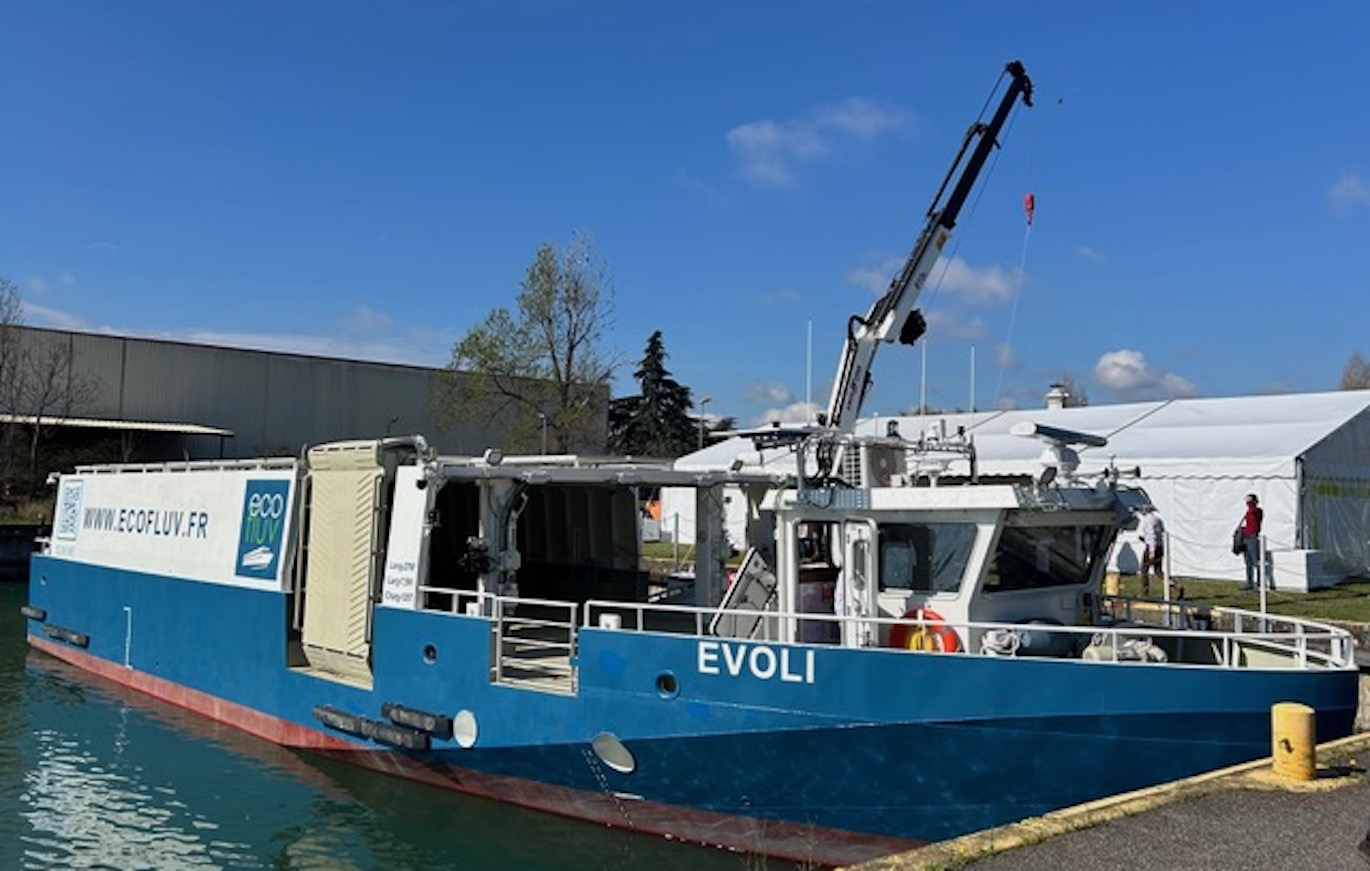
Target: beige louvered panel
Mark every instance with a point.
(340, 563)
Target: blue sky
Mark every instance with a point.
(368, 180)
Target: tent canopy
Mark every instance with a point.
(1306, 456)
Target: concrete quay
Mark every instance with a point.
(1242, 818)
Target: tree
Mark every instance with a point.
(539, 369)
(36, 384)
(1356, 375)
(47, 388)
(10, 314)
(656, 422)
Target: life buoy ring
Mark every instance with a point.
(933, 635)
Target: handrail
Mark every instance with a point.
(506, 620)
(1306, 643)
(1301, 640)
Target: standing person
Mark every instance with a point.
(1152, 530)
(1251, 539)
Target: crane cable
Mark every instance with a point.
(946, 261)
(1029, 206)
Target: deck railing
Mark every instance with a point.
(536, 639)
(533, 641)
(1254, 641)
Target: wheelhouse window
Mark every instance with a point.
(924, 557)
(1030, 558)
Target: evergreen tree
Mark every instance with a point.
(657, 422)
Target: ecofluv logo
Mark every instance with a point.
(262, 532)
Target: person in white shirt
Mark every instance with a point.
(1152, 531)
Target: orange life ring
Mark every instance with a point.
(933, 635)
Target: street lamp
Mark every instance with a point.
(703, 401)
(542, 417)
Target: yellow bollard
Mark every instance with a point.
(1293, 741)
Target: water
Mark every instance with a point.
(93, 775)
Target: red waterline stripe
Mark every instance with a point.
(239, 716)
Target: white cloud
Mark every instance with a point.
(43, 316)
(769, 151)
(795, 412)
(991, 285)
(364, 334)
(784, 408)
(405, 346)
(975, 286)
(703, 189)
(780, 298)
(769, 392)
(108, 247)
(39, 284)
(1126, 373)
(363, 321)
(858, 118)
(966, 288)
(947, 323)
(1005, 357)
(876, 279)
(1092, 254)
(1005, 403)
(1349, 192)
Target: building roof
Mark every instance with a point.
(122, 425)
(1238, 431)
(1172, 431)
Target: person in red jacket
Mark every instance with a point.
(1251, 539)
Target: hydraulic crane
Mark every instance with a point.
(893, 317)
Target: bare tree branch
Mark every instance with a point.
(542, 367)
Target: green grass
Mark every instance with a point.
(660, 550)
(665, 552)
(1348, 601)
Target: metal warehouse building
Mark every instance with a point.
(167, 399)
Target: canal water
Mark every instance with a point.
(93, 775)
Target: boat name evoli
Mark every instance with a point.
(761, 661)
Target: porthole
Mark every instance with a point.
(430, 653)
(666, 685)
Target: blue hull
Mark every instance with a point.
(863, 750)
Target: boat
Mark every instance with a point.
(899, 651)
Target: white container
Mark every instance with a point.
(1300, 571)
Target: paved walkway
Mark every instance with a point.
(1241, 818)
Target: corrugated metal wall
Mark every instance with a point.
(274, 403)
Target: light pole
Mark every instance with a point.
(542, 417)
(703, 401)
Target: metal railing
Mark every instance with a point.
(450, 600)
(1254, 641)
(536, 640)
(535, 643)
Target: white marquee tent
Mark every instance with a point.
(1306, 456)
